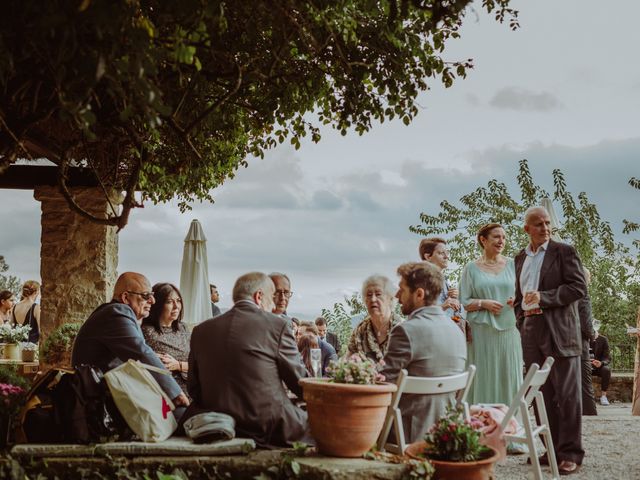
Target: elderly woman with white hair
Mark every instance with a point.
(371, 336)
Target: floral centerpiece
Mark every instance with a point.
(454, 446)
(347, 410)
(9, 334)
(356, 369)
(13, 391)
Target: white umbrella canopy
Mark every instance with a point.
(194, 276)
(555, 223)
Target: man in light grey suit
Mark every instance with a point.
(549, 283)
(240, 361)
(427, 344)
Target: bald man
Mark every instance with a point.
(111, 335)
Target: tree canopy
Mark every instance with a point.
(615, 271)
(8, 282)
(169, 98)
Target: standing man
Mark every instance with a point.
(549, 282)
(215, 298)
(112, 335)
(427, 344)
(329, 337)
(240, 361)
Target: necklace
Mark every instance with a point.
(490, 263)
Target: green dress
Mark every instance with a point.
(495, 348)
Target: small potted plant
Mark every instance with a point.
(453, 445)
(12, 336)
(56, 349)
(347, 410)
(29, 352)
(13, 391)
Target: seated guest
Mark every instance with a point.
(328, 352)
(295, 324)
(600, 362)
(165, 333)
(427, 344)
(329, 337)
(239, 362)
(371, 336)
(6, 304)
(306, 342)
(111, 335)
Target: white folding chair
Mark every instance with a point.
(529, 394)
(459, 383)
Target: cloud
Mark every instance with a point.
(326, 200)
(520, 99)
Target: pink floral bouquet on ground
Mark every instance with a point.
(356, 369)
(454, 439)
(11, 398)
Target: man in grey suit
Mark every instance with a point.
(111, 335)
(427, 344)
(239, 361)
(549, 282)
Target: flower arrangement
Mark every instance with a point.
(9, 334)
(13, 390)
(355, 369)
(29, 347)
(454, 439)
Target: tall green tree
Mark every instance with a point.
(8, 282)
(615, 287)
(169, 98)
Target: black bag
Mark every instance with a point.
(72, 407)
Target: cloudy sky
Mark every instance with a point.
(563, 91)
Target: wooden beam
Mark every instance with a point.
(27, 177)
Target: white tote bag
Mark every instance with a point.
(141, 401)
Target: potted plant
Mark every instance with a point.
(12, 336)
(347, 410)
(56, 349)
(453, 445)
(13, 391)
(29, 352)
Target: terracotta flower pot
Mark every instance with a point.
(478, 470)
(345, 419)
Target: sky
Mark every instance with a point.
(563, 91)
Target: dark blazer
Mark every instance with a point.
(561, 285)
(328, 353)
(111, 336)
(332, 339)
(586, 324)
(238, 364)
(600, 347)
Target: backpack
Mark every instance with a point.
(66, 406)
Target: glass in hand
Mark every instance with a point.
(316, 362)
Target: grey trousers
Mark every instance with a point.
(562, 390)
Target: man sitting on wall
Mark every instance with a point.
(112, 335)
(600, 362)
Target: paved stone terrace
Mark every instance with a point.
(611, 441)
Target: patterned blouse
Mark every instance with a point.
(363, 339)
(172, 343)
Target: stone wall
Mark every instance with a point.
(620, 387)
(78, 258)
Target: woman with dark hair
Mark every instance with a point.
(165, 333)
(6, 304)
(306, 342)
(487, 288)
(27, 311)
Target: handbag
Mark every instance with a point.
(144, 405)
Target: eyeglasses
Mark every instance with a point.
(145, 295)
(283, 293)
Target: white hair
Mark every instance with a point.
(248, 284)
(387, 285)
(533, 210)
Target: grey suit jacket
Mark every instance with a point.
(561, 285)
(427, 344)
(237, 365)
(111, 336)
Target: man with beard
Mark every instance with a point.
(426, 344)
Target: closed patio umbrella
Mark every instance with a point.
(194, 276)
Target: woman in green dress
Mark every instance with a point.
(487, 288)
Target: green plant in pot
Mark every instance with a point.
(347, 410)
(454, 446)
(56, 349)
(12, 336)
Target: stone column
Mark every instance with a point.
(78, 258)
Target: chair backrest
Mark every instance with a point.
(535, 378)
(459, 382)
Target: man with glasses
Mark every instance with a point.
(282, 294)
(111, 335)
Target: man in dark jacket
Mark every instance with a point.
(239, 361)
(329, 337)
(600, 362)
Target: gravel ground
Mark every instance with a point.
(611, 442)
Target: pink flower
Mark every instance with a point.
(444, 438)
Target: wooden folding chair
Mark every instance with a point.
(459, 383)
(529, 394)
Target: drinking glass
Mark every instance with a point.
(316, 359)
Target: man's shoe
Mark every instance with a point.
(604, 400)
(544, 460)
(568, 468)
